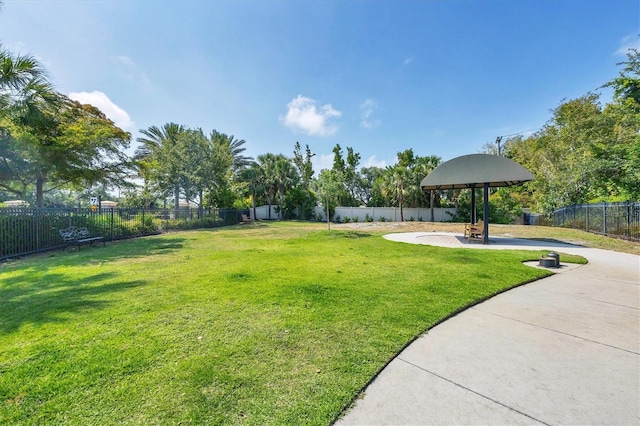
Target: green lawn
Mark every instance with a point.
(264, 324)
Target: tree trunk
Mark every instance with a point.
(281, 193)
(176, 195)
(401, 202)
(253, 205)
(40, 191)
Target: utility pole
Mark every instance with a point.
(498, 140)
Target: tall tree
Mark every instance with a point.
(330, 188)
(23, 84)
(423, 166)
(72, 144)
(254, 178)
(395, 186)
(367, 189)
(303, 164)
(158, 152)
(222, 163)
(25, 94)
(626, 87)
(193, 151)
(351, 176)
(235, 147)
(338, 161)
(286, 177)
(618, 157)
(267, 163)
(346, 173)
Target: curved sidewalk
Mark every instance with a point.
(561, 350)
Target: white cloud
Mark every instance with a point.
(101, 101)
(304, 114)
(321, 162)
(407, 61)
(374, 162)
(123, 59)
(128, 70)
(367, 108)
(628, 42)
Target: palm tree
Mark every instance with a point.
(240, 161)
(267, 164)
(23, 84)
(279, 174)
(395, 186)
(424, 166)
(286, 176)
(158, 152)
(27, 98)
(254, 177)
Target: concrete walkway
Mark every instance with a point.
(561, 350)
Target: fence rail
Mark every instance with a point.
(615, 219)
(30, 230)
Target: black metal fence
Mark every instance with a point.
(30, 230)
(615, 219)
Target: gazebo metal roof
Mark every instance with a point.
(474, 170)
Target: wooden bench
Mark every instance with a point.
(78, 236)
(474, 231)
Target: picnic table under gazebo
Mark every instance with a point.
(475, 171)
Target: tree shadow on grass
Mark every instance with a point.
(52, 297)
(116, 250)
(140, 247)
(343, 234)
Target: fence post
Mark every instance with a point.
(604, 217)
(586, 215)
(628, 219)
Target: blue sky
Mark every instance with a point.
(441, 77)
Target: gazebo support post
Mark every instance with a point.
(473, 205)
(486, 213)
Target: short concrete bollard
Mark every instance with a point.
(555, 256)
(548, 262)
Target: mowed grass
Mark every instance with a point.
(263, 324)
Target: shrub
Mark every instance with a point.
(145, 223)
(205, 222)
(368, 218)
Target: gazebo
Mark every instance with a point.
(474, 171)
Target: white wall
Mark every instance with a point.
(262, 212)
(391, 214)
